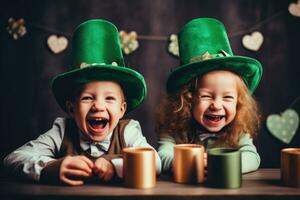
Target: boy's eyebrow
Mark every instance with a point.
(112, 92)
(204, 90)
(84, 93)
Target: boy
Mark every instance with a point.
(96, 92)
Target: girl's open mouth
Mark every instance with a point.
(214, 118)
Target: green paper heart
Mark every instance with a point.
(283, 127)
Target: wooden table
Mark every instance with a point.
(262, 184)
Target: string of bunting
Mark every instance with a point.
(283, 127)
(57, 42)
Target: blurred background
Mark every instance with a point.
(28, 63)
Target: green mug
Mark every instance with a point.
(224, 168)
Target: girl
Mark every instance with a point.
(209, 98)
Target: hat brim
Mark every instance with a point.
(249, 69)
(132, 83)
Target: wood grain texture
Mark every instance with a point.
(262, 184)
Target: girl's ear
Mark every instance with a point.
(69, 106)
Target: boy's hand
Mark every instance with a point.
(74, 168)
(103, 169)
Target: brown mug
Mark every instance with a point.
(188, 163)
(139, 167)
(290, 167)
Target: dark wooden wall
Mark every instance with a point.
(28, 107)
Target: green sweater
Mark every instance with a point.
(250, 157)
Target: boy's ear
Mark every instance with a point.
(123, 108)
(69, 106)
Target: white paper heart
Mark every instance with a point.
(294, 8)
(284, 126)
(253, 41)
(57, 44)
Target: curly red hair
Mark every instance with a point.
(174, 116)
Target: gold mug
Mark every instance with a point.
(139, 167)
(290, 167)
(188, 163)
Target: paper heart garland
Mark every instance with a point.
(173, 45)
(253, 41)
(283, 127)
(57, 44)
(128, 41)
(294, 9)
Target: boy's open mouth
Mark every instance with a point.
(98, 123)
(214, 118)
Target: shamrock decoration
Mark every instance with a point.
(128, 41)
(283, 127)
(84, 65)
(173, 45)
(16, 28)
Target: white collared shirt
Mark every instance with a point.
(32, 157)
(95, 149)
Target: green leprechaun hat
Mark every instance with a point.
(97, 55)
(203, 47)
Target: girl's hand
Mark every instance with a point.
(103, 169)
(74, 168)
